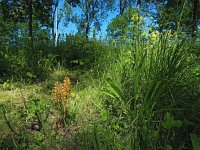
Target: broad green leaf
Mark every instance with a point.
(108, 93)
(195, 141)
(169, 121)
(116, 90)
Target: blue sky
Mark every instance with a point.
(71, 28)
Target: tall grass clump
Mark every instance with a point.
(146, 101)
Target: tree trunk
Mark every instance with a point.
(138, 3)
(30, 19)
(5, 10)
(87, 31)
(122, 6)
(55, 22)
(87, 27)
(53, 32)
(52, 27)
(195, 17)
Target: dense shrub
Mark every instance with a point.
(76, 52)
(4, 64)
(27, 61)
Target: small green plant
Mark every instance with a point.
(7, 120)
(169, 121)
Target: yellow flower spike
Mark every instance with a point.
(135, 19)
(157, 32)
(169, 33)
(143, 33)
(150, 29)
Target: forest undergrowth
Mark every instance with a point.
(142, 95)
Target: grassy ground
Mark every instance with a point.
(82, 107)
(143, 96)
(14, 96)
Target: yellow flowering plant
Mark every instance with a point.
(138, 25)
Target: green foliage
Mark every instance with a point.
(138, 90)
(26, 62)
(195, 141)
(31, 125)
(176, 15)
(100, 137)
(76, 52)
(145, 79)
(17, 11)
(121, 25)
(3, 63)
(169, 121)
(132, 27)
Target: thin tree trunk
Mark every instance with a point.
(122, 6)
(87, 31)
(87, 27)
(138, 3)
(195, 17)
(53, 32)
(56, 20)
(30, 19)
